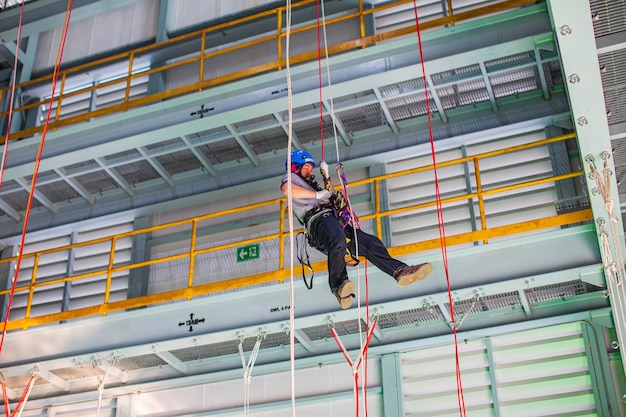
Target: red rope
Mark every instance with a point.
(357, 226)
(5, 398)
(11, 95)
(20, 403)
(319, 75)
(55, 77)
(442, 233)
(355, 366)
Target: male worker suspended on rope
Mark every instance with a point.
(312, 207)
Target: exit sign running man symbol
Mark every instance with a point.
(246, 253)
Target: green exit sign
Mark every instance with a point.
(246, 253)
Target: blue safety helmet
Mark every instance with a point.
(299, 158)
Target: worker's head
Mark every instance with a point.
(298, 159)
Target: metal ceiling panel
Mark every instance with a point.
(178, 162)
(135, 363)
(223, 151)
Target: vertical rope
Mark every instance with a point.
(5, 397)
(292, 308)
(318, 13)
(354, 221)
(440, 220)
(247, 367)
(55, 77)
(24, 398)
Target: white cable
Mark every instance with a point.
(292, 308)
(613, 269)
(29, 388)
(247, 368)
(467, 313)
(343, 185)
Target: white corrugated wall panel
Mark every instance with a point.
(87, 292)
(103, 32)
(513, 206)
(186, 13)
(538, 372)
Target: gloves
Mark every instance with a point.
(322, 195)
(324, 169)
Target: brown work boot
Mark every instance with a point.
(344, 294)
(406, 275)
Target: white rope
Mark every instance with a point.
(344, 187)
(96, 362)
(467, 313)
(292, 308)
(247, 367)
(613, 268)
(343, 184)
(29, 388)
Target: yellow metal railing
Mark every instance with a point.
(201, 56)
(193, 289)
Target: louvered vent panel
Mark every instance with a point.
(619, 153)
(137, 172)
(267, 140)
(166, 146)
(217, 133)
(91, 258)
(360, 98)
(504, 170)
(609, 16)
(362, 118)
(139, 362)
(539, 372)
(58, 192)
(303, 112)
(349, 327)
(230, 347)
(612, 66)
(177, 162)
(255, 123)
(223, 151)
(308, 131)
(555, 291)
(410, 317)
(97, 182)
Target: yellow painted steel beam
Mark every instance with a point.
(281, 274)
(281, 234)
(202, 84)
(500, 231)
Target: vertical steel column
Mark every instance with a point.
(156, 81)
(493, 379)
(393, 404)
(386, 233)
(469, 189)
(138, 278)
(69, 271)
(602, 383)
(573, 28)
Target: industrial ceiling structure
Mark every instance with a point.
(500, 75)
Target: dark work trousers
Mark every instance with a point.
(329, 233)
